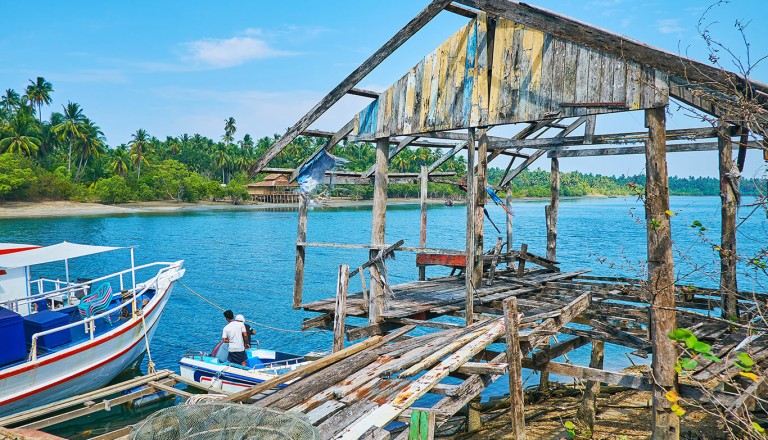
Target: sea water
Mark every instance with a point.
(244, 259)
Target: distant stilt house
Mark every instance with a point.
(274, 189)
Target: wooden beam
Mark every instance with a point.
(608, 42)
(514, 360)
(340, 314)
(729, 200)
(469, 272)
(364, 93)
(392, 140)
(301, 250)
(550, 210)
(481, 196)
(402, 145)
(661, 277)
(303, 370)
(616, 151)
(328, 147)
(588, 405)
(557, 142)
(413, 26)
(378, 228)
(565, 132)
(447, 155)
(464, 12)
(423, 218)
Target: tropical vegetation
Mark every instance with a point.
(66, 157)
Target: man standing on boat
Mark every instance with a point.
(235, 335)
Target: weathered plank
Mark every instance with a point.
(340, 315)
(378, 228)
(514, 360)
(301, 236)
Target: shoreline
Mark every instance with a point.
(52, 209)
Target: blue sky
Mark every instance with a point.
(174, 67)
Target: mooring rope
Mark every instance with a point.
(248, 320)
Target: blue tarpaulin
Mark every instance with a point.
(497, 199)
(313, 172)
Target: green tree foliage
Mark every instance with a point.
(113, 190)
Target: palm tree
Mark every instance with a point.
(39, 93)
(229, 130)
(21, 136)
(221, 158)
(92, 145)
(71, 128)
(120, 160)
(247, 145)
(140, 147)
(10, 100)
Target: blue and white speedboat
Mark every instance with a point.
(214, 370)
(63, 337)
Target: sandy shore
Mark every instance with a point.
(74, 209)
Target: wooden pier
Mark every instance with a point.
(553, 77)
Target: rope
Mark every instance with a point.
(150, 362)
(248, 320)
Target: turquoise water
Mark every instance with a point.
(244, 260)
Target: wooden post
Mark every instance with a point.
(340, 314)
(515, 367)
(474, 417)
(378, 227)
(301, 237)
(481, 195)
(729, 196)
(509, 223)
(661, 276)
(587, 408)
(551, 210)
(423, 230)
(469, 269)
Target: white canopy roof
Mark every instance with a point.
(57, 252)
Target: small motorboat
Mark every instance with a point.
(448, 202)
(63, 337)
(214, 370)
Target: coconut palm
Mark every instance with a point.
(39, 93)
(21, 135)
(92, 145)
(229, 131)
(140, 147)
(120, 160)
(71, 128)
(10, 101)
(247, 145)
(221, 158)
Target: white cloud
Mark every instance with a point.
(222, 53)
(669, 26)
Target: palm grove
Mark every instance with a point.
(67, 158)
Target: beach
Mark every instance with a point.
(9, 210)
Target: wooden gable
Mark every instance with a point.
(445, 91)
(533, 76)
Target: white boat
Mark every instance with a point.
(214, 370)
(63, 337)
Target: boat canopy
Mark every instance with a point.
(10, 248)
(47, 254)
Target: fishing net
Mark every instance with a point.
(224, 421)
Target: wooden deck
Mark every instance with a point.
(447, 295)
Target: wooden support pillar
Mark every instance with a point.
(729, 199)
(301, 237)
(661, 277)
(474, 416)
(469, 269)
(423, 229)
(550, 211)
(515, 367)
(340, 313)
(481, 196)
(378, 227)
(509, 220)
(588, 406)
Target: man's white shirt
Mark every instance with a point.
(233, 332)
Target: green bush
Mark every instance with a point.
(113, 190)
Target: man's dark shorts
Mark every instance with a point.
(236, 357)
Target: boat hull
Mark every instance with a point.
(86, 366)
